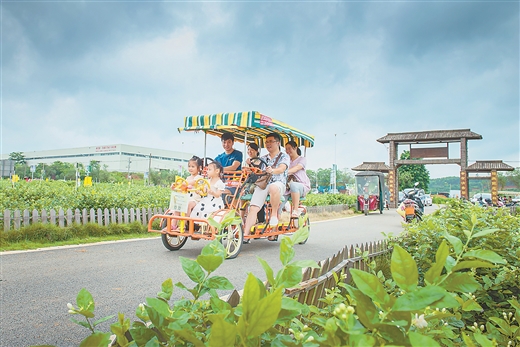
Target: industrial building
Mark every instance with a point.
(120, 157)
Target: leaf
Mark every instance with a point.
(96, 340)
(210, 262)
(289, 277)
(419, 299)
(370, 285)
(268, 271)
(448, 301)
(166, 290)
(486, 255)
(504, 326)
(222, 332)
(219, 282)
(104, 319)
(461, 283)
(434, 273)
(365, 309)
(85, 303)
(472, 264)
(192, 269)
(455, 242)
(142, 334)
(419, 340)
(471, 305)
(250, 299)
(301, 234)
(265, 314)
(482, 340)
(404, 269)
(286, 251)
(485, 232)
(467, 340)
(159, 306)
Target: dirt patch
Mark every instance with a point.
(331, 215)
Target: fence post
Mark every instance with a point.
(92, 216)
(26, 218)
(45, 218)
(107, 217)
(99, 217)
(35, 216)
(84, 217)
(77, 216)
(16, 219)
(125, 215)
(144, 219)
(113, 215)
(7, 220)
(69, 217)
(137, 214)
(61, 217)
(119, 216)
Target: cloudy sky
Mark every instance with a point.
(86, 73)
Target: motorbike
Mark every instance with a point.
(412, 207)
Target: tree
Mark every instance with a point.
(409, 174)
(17, 157)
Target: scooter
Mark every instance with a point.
(412, 206)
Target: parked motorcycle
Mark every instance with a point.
(412, 207)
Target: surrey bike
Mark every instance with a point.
(247, 127)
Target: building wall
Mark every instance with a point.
(115, 157)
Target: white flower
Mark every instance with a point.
(419, 321)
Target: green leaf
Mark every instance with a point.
(305, 264)
(85, 303)
(222, 332)
(448, 301)
(218, 305)
(434, 273)
(472, 264)
(467, 340)
(365, 309)
(166, 290)
(96, 340)
(504, 326)
(159, 306)
(419, 299)
(286, 251)
(455, 242)
(404, 269)
(210, 262)
(370, 285)
(141, 334)
(485, 232)
(265, 314)
(486, 255)
(419, 340)
(104, 319)
(471, 305)
(268, 271)
(250, 299)
(289, 277)
(482, 340)
(192, 269)
(218, 282)
(461, 282)
(301, 234)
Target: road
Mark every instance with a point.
(37, 285)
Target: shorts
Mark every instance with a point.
(296, 187)
(260, 195)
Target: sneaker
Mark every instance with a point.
(296, 214)
(273, 221)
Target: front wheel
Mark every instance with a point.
(173, 243)
(232, 238)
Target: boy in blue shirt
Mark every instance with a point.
(231, 159)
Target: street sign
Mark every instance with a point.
(33, 168)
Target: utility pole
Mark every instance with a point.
(129, 161)
(149, 168)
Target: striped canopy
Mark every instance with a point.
(252, 124)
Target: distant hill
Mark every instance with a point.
(444, 184)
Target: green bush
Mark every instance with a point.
(435, 296)
(330, 199)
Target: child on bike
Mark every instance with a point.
(194, 168)
(213, 201)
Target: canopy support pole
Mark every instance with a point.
(205, 142)
(245, 149)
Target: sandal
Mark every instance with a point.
(273, 238)
(246, 242)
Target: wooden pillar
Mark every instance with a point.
(464, 189)
(464, 192)
(494, 187)
(393, 183)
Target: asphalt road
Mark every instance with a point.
(37, 285)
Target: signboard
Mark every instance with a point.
(87, 182)
(6, 167)
(431, 152)
(33, 168)
(179, 202)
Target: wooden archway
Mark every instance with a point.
(418, 142)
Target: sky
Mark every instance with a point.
(89, 73)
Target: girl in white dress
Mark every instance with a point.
(194, 168)
(213, 201)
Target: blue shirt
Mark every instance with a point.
(227, 159)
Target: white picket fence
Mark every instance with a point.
(16, 219)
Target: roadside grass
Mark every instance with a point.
(44, 235)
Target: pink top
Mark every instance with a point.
(300, 175)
